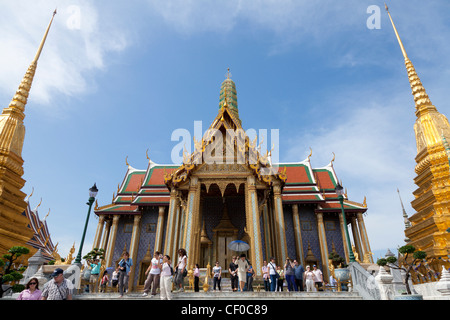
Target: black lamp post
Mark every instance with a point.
(92, 194)
(340, 192)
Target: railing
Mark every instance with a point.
(429, 270)
(364, 283)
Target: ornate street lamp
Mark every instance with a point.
(92, 194)
(340, 192)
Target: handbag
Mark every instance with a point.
(277, 275)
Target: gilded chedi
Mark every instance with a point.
(14, 222)
(428, 229)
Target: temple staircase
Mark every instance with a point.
(226, 293)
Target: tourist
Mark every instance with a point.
(31, 291)
(95, 272)
(115, 277)
(196, 278)
(232, 269)
(104, 281)
(309, 279)
(319, 278)
(166, 279)
(217, 275)
(333, 283)
(250, 277)
(58, 288)
(266, 277)
(290, 275)
(124, 272)
(153, 274)
(272, 271)
(242, 265)
(298, 272)
(181, 270)
(280, 279)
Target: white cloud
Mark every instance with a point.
(374, 143)
(75, 48)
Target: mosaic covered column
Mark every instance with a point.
(176, 232)
(134, 246)
(344, 240)
(323, 245)
(356, 238)
(112, 241)
(106, 234)
(170, 228)
(297, 235)
(159, 230)
(266, 224)
(254, 229)
(280, 227)
(99, 231)
(181, 226)
(192, 227)
(364, 238)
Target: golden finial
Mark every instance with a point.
(396, 33)
(310, 154)
(334, 157)
(228, 74)
(47, 214)
(38, 205)
(126, 161)
(260, 143)
(365, 202)
(42, 223)
(38, 53)
(29, 196)
(146, 154)
(95, 208)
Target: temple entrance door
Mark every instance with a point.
(224, 233)
(224, 254)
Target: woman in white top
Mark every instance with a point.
(272, 271)
(181, 269)
(217, 275)
(166, 279)
(309, 279)
(153, 274)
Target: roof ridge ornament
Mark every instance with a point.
(228, 74)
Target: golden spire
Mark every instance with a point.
(396, 33)
(20, 98)
(421, 99)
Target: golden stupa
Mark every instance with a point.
(15, 226)
(428, 228)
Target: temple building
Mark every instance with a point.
(19, 225)
(427, 227)
(280, 210)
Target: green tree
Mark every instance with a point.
(407, 264)
(337, 260)
(10, 272)
(95, 253)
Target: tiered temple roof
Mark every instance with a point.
(41, 235)
(304, 185)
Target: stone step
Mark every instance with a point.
(227, 295)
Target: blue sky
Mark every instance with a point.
(116, 79)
